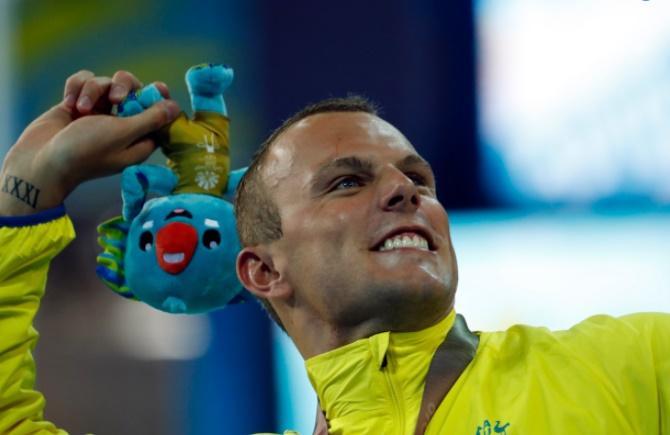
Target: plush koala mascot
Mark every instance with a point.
(176, 250)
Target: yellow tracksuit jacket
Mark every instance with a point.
(603, 376)
(25, 253)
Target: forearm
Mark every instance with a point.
(24, 260)
(24, 194)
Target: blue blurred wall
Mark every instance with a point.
(416, 59)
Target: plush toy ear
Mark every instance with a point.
(139, 180)
(234, 179)
(110, 269)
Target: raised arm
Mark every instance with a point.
(78, 140)
(72, 142)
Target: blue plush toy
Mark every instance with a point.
(177, 251)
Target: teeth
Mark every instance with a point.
(173, 258)
(415, 241)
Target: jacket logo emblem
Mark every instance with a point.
(487, 429)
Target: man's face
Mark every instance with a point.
(364, 236)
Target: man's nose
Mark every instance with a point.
(399, 193)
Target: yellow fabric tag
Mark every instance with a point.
(198, 151)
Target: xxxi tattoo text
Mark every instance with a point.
(21, 190)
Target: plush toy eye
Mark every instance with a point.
(211, 239)
(146, 240)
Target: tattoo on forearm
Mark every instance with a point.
(21, 190)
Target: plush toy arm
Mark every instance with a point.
(113, 235)
(234, 179)
(138, 180)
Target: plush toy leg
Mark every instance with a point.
(206, 84)
(138, 180)
(136, 102)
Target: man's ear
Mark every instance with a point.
(257, 274)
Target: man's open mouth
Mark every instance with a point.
(405, 238)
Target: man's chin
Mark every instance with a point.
(415, 268)
(414, 287)
(405, 259)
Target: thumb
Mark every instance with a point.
(151, 119)
(137, 152)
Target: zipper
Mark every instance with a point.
(399, 413)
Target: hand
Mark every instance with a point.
(78, 140)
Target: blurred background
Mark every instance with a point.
(547, 123)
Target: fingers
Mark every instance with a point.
(73, 86)
(92, 91)
(163, 88)
(122, 83)
(151, 119)
(84, 91)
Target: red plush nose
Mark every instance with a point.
(175, 245)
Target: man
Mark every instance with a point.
(344, 240)
(346, 244)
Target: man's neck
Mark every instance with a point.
(313, 336)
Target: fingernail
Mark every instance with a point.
(171, 109)
(117, 92)
(69, 101)
(84, 103)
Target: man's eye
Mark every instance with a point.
(347, 183)
(417, 179)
